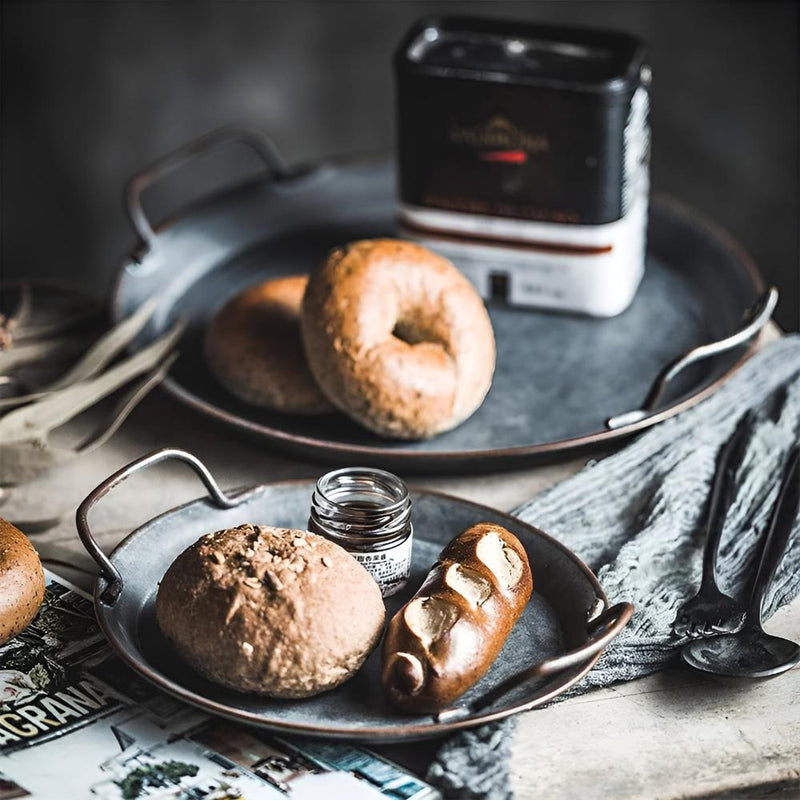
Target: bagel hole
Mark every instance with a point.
(412, 332)
(409, 333)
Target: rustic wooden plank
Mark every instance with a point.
(672, 735)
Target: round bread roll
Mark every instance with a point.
(274, 611)
(254, 350)
(21, 581)
(397, 338)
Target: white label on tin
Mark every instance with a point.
(390, 568)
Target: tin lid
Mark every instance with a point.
(567, 58)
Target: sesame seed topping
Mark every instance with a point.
(273, 581)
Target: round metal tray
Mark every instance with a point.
(556, 641)
(559, 377)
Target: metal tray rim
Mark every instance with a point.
(454, 460)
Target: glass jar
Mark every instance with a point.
(368, 513)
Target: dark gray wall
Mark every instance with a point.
(93, 91)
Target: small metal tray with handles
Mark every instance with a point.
(556, 641)
(562, 381)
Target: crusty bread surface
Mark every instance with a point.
(274, 611)
(449, 634)
(253, 348)
(21, 581)
(397, 338)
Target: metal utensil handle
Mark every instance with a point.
(722, 495)
(755, 318)
(777, 536)
(252, 137)
(107, 569)
(602, 629)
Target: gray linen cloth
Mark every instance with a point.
(636, 518)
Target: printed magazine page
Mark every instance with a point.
(76, 723)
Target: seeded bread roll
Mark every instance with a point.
(254, 350)
(21, 581)
(273, 611)
(397, 338)
(449, 634)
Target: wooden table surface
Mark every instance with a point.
(671, 735)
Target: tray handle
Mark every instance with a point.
(755, 318)
(257, 140)
(600, 629)
(112, 575)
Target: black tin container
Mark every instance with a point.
(516, 120)
(512, 132)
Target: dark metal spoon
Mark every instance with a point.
(712, 611)
(752, 653)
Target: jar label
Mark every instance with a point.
(390, 568)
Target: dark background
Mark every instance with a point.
(91, 92)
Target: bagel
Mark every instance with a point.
(253, 348)
(397, 338)
(21, 581)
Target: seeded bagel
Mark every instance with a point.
(253, 348)
(21, 581)
(397, 338)
(274, 611)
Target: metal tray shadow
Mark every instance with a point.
(555, 642)
(559, 377)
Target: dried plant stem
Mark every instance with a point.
(35, 421)
(29, 352)
(126, 405)
(23, 461)
(107, 347)
(101, 353)
(57, 326)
